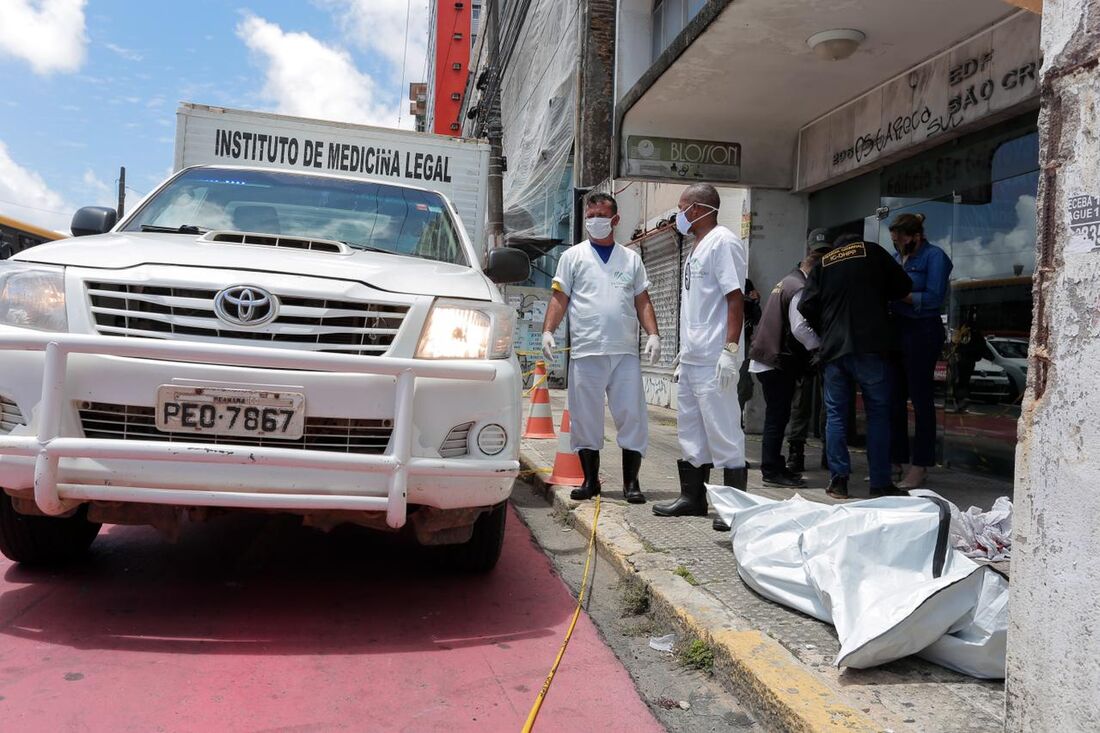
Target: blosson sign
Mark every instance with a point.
(989, 75)
(677, 159)
(456, 168)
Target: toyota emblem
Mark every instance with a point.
(245, 305)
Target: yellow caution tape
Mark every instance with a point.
(534, 714)
(538, 381)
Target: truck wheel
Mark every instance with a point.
(481, 553)
(44, 540)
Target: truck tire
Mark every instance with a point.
(481, 553)
(36, 540)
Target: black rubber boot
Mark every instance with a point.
(838, 487)
(796, 457)
(891, 490)
(738, 478)
(590, 465)
(693, 495)
(632, 490)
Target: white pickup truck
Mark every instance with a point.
(259, 339)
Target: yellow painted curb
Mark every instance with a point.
(781, 684)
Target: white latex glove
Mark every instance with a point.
(548, 346)
(727, 370)
(676, 368)
(653, 349)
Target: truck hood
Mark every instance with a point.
(391, 273)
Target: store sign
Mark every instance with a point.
(991, 73)
(1083, 217)
(665, 158)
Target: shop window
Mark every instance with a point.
(978, 196)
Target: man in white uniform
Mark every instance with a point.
(603, 287)
(712, 312)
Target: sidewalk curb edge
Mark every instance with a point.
(766, 676)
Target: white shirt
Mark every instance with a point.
(717, 266)
(800, 329)
(603, 319)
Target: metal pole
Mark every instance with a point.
(121, 191)
(495, 228)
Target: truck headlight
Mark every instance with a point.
(462, 329)
(32, 296)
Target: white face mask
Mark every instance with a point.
(598, 227)
(683, 225)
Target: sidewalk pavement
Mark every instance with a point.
(778, 660)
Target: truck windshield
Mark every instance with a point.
(364, 214)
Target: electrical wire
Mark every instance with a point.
(404, 61)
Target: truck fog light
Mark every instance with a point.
(491, 439)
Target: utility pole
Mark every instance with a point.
(121, 191)
(495, 227)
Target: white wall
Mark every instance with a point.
(1054, 626)
(776, 245)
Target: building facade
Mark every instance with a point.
(452, 25)
(846, 134)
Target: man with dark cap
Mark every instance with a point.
(846, 301)
(781, 354)
(802, 406)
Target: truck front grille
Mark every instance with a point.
(332, 434)
(310, 324)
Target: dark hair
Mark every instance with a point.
(911, 224)
(844, 239)
(598, 197)
(704, 193)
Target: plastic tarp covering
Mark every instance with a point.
(881, 571)
(538, 100)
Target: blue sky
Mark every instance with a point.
(89, 85)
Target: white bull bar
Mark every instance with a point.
(48, 448)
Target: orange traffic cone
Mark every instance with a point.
(540, 422)
(567, 466)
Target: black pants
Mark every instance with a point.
(778, 387)
(913, 380)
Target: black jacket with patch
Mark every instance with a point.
(846, 299)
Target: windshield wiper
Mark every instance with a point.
(182, 229)
(369, 248)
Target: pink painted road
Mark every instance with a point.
(252, 624)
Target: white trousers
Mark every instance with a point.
(619, 377)
(709, 419)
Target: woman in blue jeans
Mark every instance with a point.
(920, 335)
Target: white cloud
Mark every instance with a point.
(48, 34)
(96, 191)
(25, 196)
(306, 77)
(378, 26)
(995, 256)
(126, 53)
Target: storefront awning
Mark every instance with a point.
(748, 78)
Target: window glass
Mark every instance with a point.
(658, 29)
(978, 195)
(363, 214)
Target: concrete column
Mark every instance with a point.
(595, 93)
(1054, 635)
(777, 244)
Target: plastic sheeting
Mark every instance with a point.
(881, 571)
(978, 534)
(538, 100)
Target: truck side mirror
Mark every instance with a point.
(93, 220)
(507, 265)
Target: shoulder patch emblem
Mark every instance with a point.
(847, 252)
